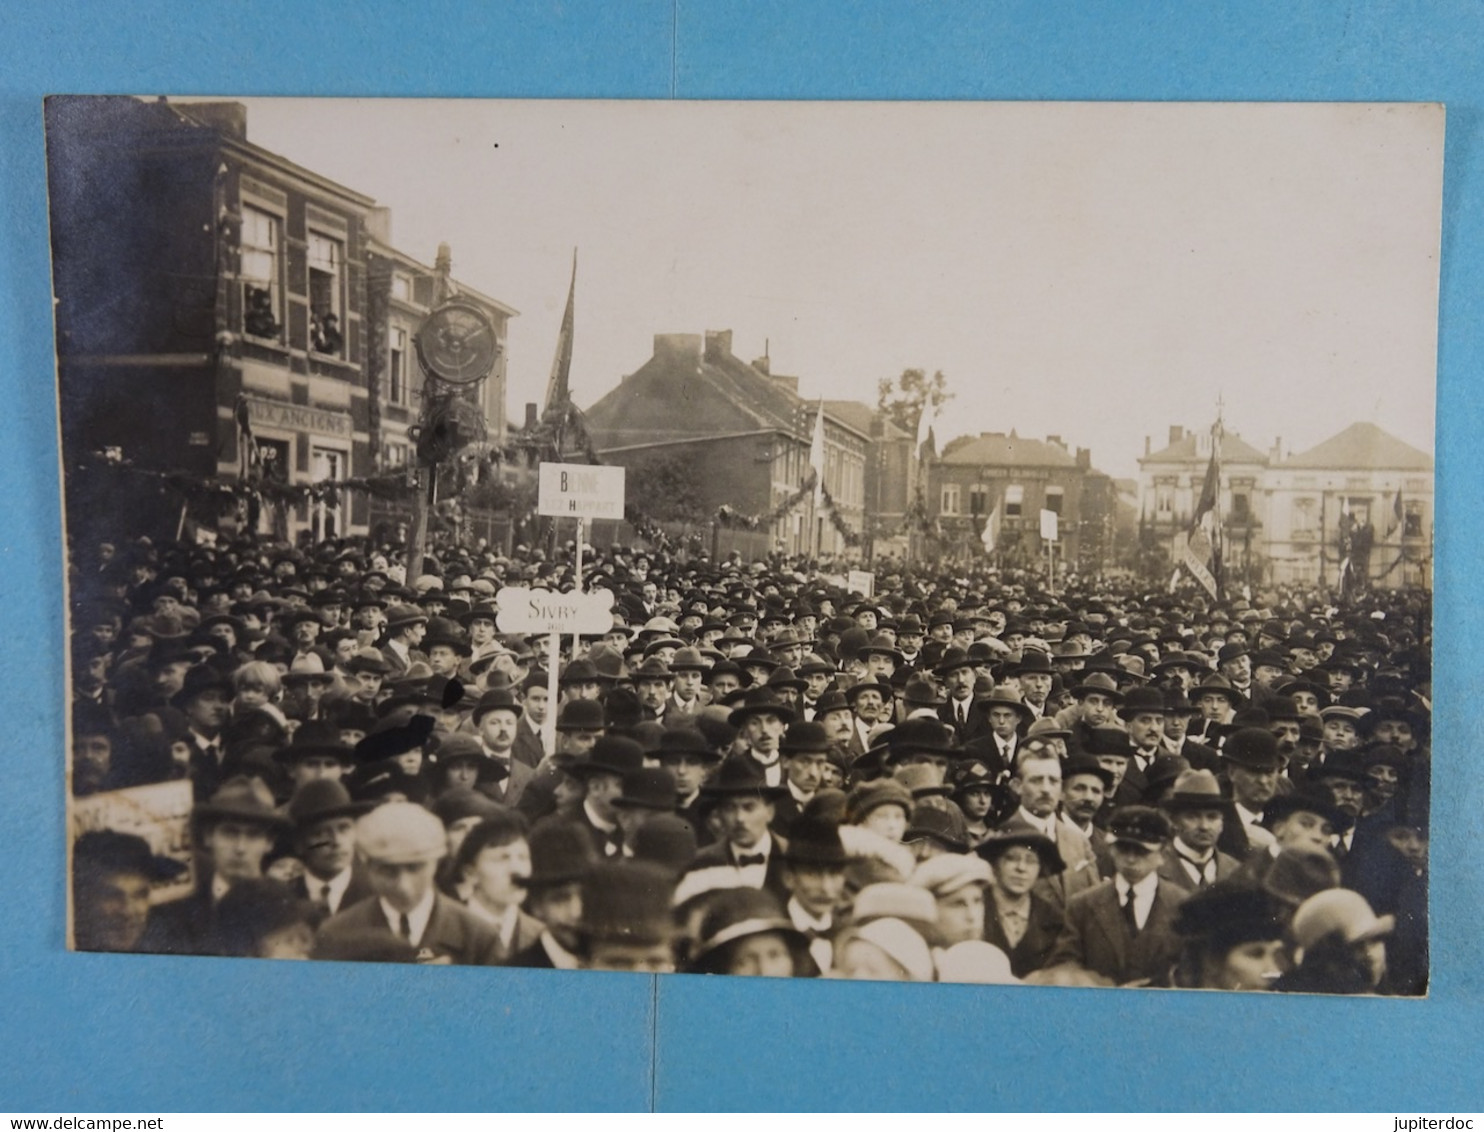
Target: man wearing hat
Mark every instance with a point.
(1123, 929)
(1034, 675)
(1198, 812)
(495, 718)
(626, 920)
(602, 775)
(324, 833)
(401, 844)
(1143, 715)
(112, 874)
(760, 719)
(814, 874)
(494, 867)
(1037, 781)
(315, 752)
(205, 699)
(235, 830)
(1305, 820)
(405, 628)
(746, 851)
(686, 754)
(968, 718)
(1252, 767)
(804, 752)
(561, 858)
(647, 791)
(686, 699)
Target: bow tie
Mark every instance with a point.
(745, 859)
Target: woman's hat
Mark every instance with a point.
(994, 846)
(734, 914)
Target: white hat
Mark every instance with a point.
(974, 961)
(401, 833)
(902, 944)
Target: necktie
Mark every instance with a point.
(963, 713)
(746, 859)
(406, 928)
(324, 896)
(1129, 916)
(1202, 868)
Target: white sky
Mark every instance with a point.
(1098, 271)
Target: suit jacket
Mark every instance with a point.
(186, 927)
(976, 725)
(400, 666)
(1081, 872)
(719, 856)
(1200, 756)
(1097, 938)
(1042, 931)
(527, 748)
(357, 890)
(575, 813)
(509, 791)
(532, 956)
(453, 932)
(1171, 870)
(527, 934)
(677, 711)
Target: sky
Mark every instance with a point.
(1098, 271)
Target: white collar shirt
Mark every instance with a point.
(418, 917)
(1143, 895)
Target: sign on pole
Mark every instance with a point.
(524, 610)
(862, 581)
(580, 491)
(1048, 525)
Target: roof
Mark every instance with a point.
(859, 416)
(658, 402)
(997, 449)
(1362, 445)
(1234, 450)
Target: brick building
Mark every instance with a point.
(975, 476)
(198, 273)
(699, 428)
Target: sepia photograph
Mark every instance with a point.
(929, 542)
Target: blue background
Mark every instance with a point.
(91, 1033)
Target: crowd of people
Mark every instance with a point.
(963, 778)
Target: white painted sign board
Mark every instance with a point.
(523, 610)
(1048, 525)
(580, 491)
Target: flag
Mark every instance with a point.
(249, 458)
(1202, 554)
(991, 533)
(925, 427)
(816, 453)
(557, 392)
(1398, 513)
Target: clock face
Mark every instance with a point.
(457, 343)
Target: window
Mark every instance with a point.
(978, 499)
(1303, 517)
(396, 454)
(1054, 497)
(1241, 507)
(1014, 498)
(262, 316)
(401, 287)
(396, 366)
(1164, 499)
(1412, 518)
(326, 464)
(949, 499)
(326, 263)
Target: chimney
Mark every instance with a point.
(443, 265)
(1146, 446)
(718, 345)
(684, 349)
(530, 415)
(1055, 440)
(1084, 459)
(379, 224)
(227, 118)
(1177, 434)
(1275, 453)
(763, 365)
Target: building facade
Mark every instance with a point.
(205, 284)
(1009, 480)
(704, 433)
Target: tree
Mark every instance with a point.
(903, 398)
(666, 488)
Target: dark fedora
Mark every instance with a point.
(996, 843)
(1033, 661)
(760, 701)
(611, 754)
(1086, 764)
(460, 747)
(102, 851)
(1003, 697)
(1255, 748)
(1307, 801)
(881, 645)
(315, 737)
(1220, 686)
(676, 741)
(921, 734)
(783, 677)
(561, 853)
(815, 841)
(741, 776)
(832, 700)
(648, 788)
(952, 659)
(921, 692)
(321, 800)
(853, 692)
(200, 680)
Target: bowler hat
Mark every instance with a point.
(1224, 916)
(1255, 748)
(760, 701)
(814, 840)
(648, 788)
(580, 715)
(627, 902)
(1086, 764)
(561, 853)
(1112, 741)
(1218, 686)
(1033, 661)
(1306, 801)
(102, 851)
(804, 737)
(953, 658)
(922, 735)
(611, 754)
(1142, 701)
(738, 776)
(200, 680)
(402, 615)
(315, 737)
(496, 699)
